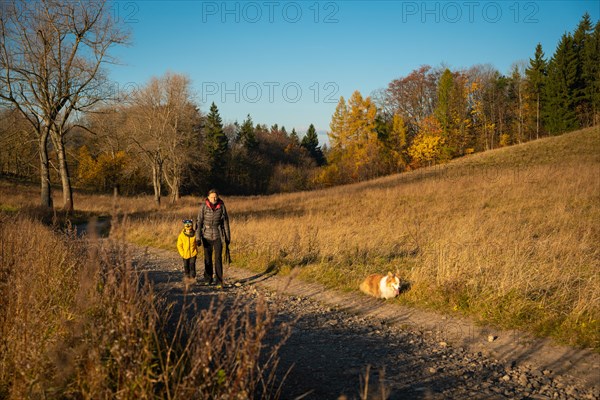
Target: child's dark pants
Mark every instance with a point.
(189, 267)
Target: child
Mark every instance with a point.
(186, 244)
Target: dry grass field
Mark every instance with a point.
(509, 237)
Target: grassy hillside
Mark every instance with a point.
(508, 236)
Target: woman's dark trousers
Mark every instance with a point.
(209, 247)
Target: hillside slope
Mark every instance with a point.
(508, 236)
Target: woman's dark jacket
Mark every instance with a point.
(213, 221)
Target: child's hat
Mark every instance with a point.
(187, 223)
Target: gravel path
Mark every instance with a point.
(408, 354)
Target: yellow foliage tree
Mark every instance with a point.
(427, 145)
(356, 151)
(102, 172)
(482, 125)
(86, 167)
(339, 125)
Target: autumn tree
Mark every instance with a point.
(102, 171)
(103, 157)
(355, 146)
(486, 100)
(338, 128)
(162, 123)
(427, 146)
(51, 58)
(362, 153)
(412, 97)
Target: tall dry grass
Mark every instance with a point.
(77, 322)
(507, 236)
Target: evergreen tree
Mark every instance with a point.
(593, 88)
(452, 112)
(294, 136)
(311, 143)
(247, 134)
(536, 76)
(559, 103)
(247, 173)
(584, 76)
(215, 146)
(443, 108)
(392, 134)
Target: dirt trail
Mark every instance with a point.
(414, 354)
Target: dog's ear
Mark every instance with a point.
(390, 273)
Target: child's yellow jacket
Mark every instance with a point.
(187, 245)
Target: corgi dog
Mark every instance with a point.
(381, 286)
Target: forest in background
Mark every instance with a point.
(156, 139)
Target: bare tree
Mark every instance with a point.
(518, 83)
(51, 54)
(162, 126)
(412, 97)
(485, 104)
(18, 155)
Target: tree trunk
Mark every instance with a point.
(174, 183)
(46, 191)
(63, 169)
(156, 183)
(175, 191)
(537, 117)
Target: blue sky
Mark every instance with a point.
(288, 62)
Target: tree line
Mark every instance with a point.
(435, 114)
(58, 123)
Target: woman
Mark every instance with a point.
(213, 229)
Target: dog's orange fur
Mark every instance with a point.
(381, 286)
